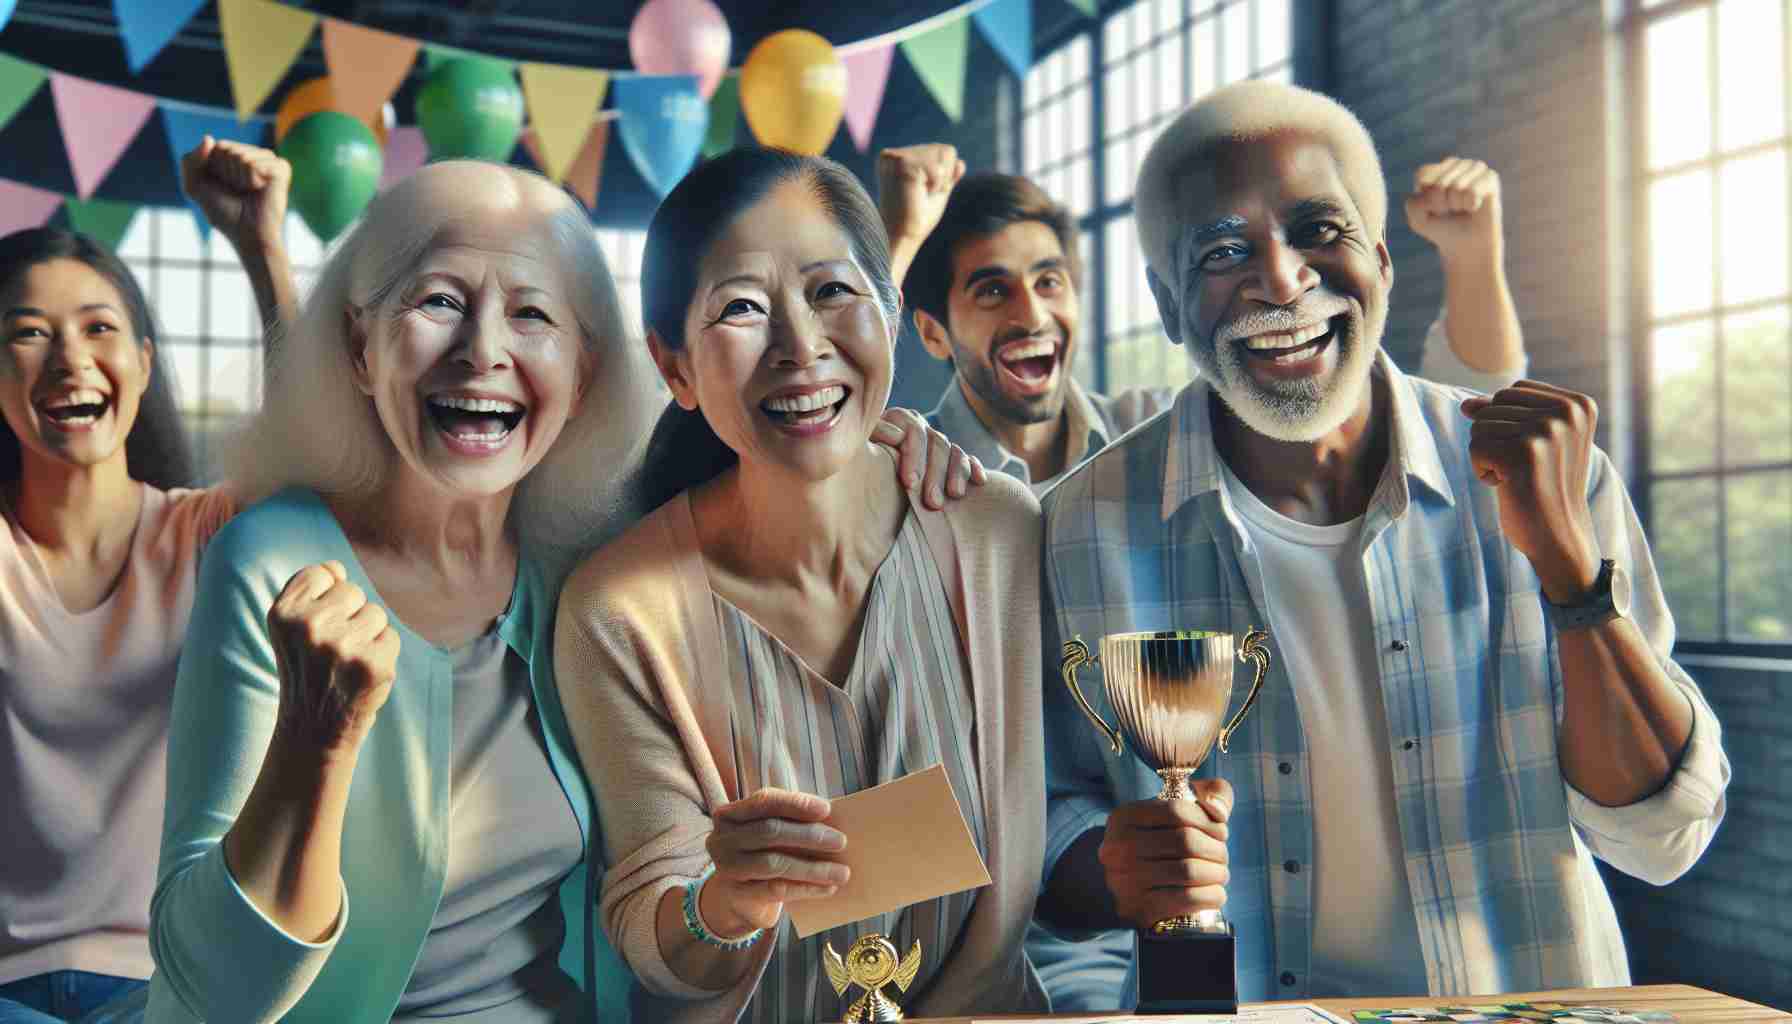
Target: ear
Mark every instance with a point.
(354, 326)
(934, 336)
(1168, 309)
(1387, 264)
(673, 369)
(584, 372)
(146, 353)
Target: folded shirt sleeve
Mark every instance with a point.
(1439, 362)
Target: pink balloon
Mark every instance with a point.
(681, 37)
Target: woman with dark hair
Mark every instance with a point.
(98, 565)
(791, 626)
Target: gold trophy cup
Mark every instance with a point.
(871, 963)
(1169, 691)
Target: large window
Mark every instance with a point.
(211, 331)
(1716, 376)
(1092, 108)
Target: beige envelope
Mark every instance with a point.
(906, 842)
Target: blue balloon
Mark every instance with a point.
(664, 119)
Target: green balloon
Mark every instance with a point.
(336, 166)
(471, 109)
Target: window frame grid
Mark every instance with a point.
(1633, 27)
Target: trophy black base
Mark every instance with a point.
(1187, 973)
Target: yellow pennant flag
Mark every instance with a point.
(261, 40)
(366, 66)
(563, 102)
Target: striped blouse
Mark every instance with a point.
(905, 705)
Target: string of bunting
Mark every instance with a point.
(679, 101)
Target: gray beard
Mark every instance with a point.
(1300, 411)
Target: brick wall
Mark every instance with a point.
(1531, 86)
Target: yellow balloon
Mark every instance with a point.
(310, 97)
(793, 91)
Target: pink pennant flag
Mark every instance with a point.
(866, 73)
(24, 206)
(98, 123)
(406, 151)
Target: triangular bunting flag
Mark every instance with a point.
(186, 128)
(1008, 25)
(587, 170)
(435, 55)
(149, 25)
(866, 74)
(6, 7)
(563, 102)
(406, 150)
(366, 66)
(25, 206)
(664, 121)
(1088, 7)
(98, 124)
(19, 81)
(724, 116)
(261, 40)
(938, 57)
(106, 220)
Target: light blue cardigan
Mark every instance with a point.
(217, 957)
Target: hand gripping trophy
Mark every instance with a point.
(871, 964)
(1169, 692)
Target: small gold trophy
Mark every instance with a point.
(871, 964)
(1169, 692)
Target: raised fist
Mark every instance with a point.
(337, 656)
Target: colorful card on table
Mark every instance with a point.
(906, 841)
(1512, 1013)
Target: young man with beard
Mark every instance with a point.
(1472, 696)
(993, 277)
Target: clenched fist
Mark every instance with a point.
(913, 185)
(1167, 858)
(1455, 205)
(337, 656)
(240, 188)
(1533, 442)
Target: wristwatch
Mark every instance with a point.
(1608, 599)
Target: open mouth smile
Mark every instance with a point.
(807, 410)
(75, 410)
(475, 424)
(1291, 349)
(1030, 365)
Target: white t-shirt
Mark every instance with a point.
(1365, 934)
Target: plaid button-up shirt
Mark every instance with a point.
(1498, 847)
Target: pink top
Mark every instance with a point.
(83, 742)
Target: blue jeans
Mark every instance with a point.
(60, 996)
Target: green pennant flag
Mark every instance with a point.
(435, 55)
(938, 57)
(106, 220)
(1086, 6)
(724, 113)
(19, 81)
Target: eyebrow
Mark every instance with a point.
(1317, 206)
(91, 307)
(993, 270)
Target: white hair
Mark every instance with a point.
(1245, 112)
(317, 429)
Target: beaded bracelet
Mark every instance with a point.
(693, 919)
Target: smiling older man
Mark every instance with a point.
(1472, 697)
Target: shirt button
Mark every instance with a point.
(1408, 745)
(1399, 645)
(1291, 866)
(1287, 977)
(1285, 768)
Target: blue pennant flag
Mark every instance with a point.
(664, 121)
(1008, 25)
(187, 127)
(6, 7)
(149, 25)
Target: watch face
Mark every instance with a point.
(1620, 591)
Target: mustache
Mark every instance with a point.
(1309, 310)
(1007, 337)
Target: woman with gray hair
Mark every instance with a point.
(372, 803)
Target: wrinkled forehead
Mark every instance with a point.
(786, 229)
(1233, 186)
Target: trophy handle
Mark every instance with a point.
(1253, 649)
(1076, 654)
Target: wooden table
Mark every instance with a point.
(1688, 1004)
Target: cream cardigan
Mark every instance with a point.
(636, 635)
